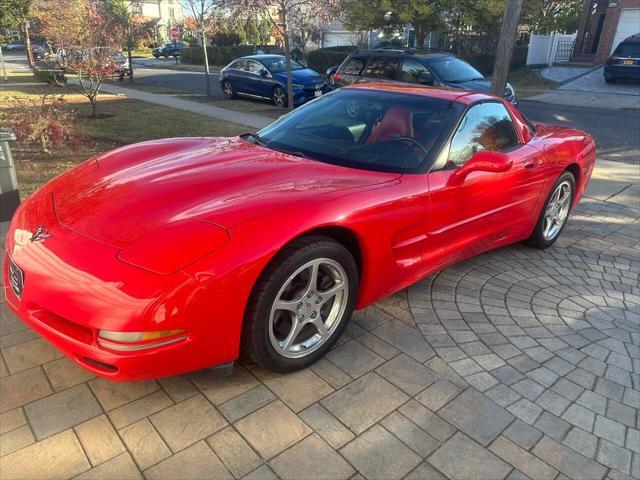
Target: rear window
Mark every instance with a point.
(628, 50)
(354, 66)
(383, 67)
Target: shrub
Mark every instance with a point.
(46, 120)
(323, 58)
(223, 55)
(51, 77)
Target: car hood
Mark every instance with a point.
(124, 194)
(304, 76)
(478, 85)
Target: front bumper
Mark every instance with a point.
(303, 95)
(75, 286)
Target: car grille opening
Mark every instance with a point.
(99, 365)
(62, 325)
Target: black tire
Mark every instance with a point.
(156, 56)
(610, 80)
(256, 343)
(227, 90)
(537, 238)
(279, 96)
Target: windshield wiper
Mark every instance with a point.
(295, 153)
(256, 138)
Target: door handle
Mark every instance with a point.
(531, 164)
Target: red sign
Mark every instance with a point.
(175, 33)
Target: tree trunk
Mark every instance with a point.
(287, 55)
(27, 46)
(506, 43)
(129, 42)
(206, 63)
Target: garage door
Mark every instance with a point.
(628, 25)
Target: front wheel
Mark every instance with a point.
(279, 96)
(300, 305)
(609, 80)
(555, 212)
(227, 90)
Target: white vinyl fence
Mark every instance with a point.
(550, 49)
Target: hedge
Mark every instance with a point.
(323, 58)
(485, 62)
(51, 77)
(222, 55)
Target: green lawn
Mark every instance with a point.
(528, 82)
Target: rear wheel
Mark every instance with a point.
(227, 90)
(610, 80)
(555, 212)
(300, 305)
(279, 96)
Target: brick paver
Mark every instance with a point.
(517, 363)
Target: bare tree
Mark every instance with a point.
(204, 20)
(90, 34)
(283, 14)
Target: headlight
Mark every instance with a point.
(133, 341)
(174, 246)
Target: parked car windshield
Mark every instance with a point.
(279, 65)
(365, 129)
(454, 70)
(628, 50)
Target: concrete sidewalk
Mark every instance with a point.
(249, 119)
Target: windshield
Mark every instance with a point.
(366, 129)
(454, 70)
(279, 65)
(628, 50)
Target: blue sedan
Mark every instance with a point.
(265, 76)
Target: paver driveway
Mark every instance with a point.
(518, 363)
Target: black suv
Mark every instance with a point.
(168, 50)
(437, 69)
(624, 62)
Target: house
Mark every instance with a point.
(165, 13)
(603, 25)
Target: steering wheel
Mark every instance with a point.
(414, 142)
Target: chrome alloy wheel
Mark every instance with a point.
(308, 308)
(279, 97)
(557, 211)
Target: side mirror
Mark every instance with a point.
(264, 72)
(482, 161)
(426, 80)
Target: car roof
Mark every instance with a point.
(403, 53)
(263, 56)
(632, 39)
(466, 97)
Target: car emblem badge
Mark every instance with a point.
(40, 235)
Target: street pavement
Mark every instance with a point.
(516, 364)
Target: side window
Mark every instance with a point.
(383, 67)
(355, 66)
(254, 67)
(415, 72)
(239, 65)
(487, 126)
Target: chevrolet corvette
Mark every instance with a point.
(174, 255)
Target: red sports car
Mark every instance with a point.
(174, 255)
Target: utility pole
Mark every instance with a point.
(507, 40)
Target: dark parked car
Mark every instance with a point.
(437, 69)
(624, 62)
(40, 51)
(168, 50)
(17, 45)
(265, 76)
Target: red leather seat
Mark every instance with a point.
(397, 122)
